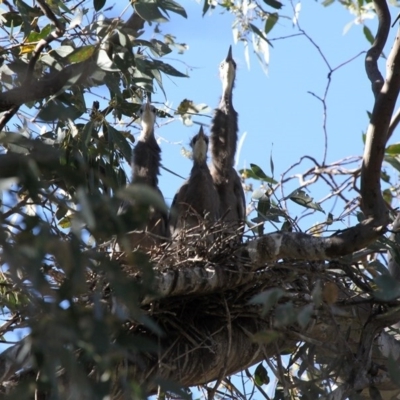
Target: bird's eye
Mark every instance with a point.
(153, 109)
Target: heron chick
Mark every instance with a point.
(196, 203)
(224, 135)
(146, 161)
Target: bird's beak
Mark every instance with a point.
(148, 104)
(229, 56)
(201, 132)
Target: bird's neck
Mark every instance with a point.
(200, 153)
(147, 133)
(228, 81)
(146, 160)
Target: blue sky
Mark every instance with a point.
(275, 110)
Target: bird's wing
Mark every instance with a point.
(175, 211)
(164, 217)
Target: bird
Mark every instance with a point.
(196, 201)
(146, 161)
(224, 135)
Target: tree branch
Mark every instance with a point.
(373, 54)
(59, 32)
(372, 202)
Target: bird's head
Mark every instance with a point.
(147, 113)
(227, 71)
(199, 144)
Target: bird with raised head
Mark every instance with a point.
(146, 161)
(196, 203)
(224, 135)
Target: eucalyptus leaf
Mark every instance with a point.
(272, 19)
(301, 198)
(121, 142)
(98, 4)
(393, 149)
(81, 54)
(149, 11)
(268, 299)
(172, 6)
(388, 288)
(274, 4)
(261, 375)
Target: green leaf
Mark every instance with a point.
(264, 205)
(167, 69)
(259, 33)
(160, 47)
(268, 299)
(55, 107)
(206, 6)
(327, 3)
(121, 142)
(257, 173)
(105, 63)
(272, 19)
(285, 314)
(87, 133)
(36, 36)
(388, 288)
(393, 149)
(266, 337)
(98, 4)
(301, 198)
(304, 315)
(368, 34)
(149, 11)
(393, 161)
(81, 54)
(172, 6)
(274, 4)
(11, 19)
(381, 268)
(261, 375)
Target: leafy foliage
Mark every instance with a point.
(64, 177)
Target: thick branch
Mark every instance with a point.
(300, 246)
(53, 83)
(59, 31)
(373, 204)
(373, 54)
